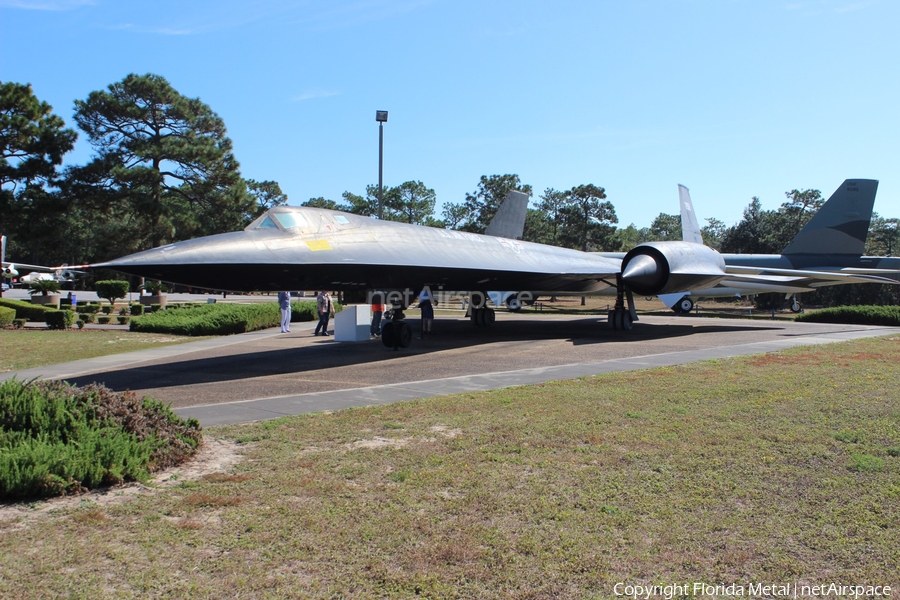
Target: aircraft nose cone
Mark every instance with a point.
(641, 272)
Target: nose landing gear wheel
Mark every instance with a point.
(396, 335)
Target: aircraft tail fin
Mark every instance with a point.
(509, 222)
(842, 224)
(690, 228)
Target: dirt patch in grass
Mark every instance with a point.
(215, 458)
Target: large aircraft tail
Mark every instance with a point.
(509, 222)
(842, 224)
(690, 228)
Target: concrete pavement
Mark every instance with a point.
(266, 374)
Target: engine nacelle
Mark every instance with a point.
(666, 267)
(10, 271)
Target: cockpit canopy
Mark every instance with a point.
(288, 218)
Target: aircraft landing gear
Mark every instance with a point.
(396, 333)
(795, 305)
(684, 306)
(513, 303)
(483, 316)
(622, 317)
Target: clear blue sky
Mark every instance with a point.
(733, 98)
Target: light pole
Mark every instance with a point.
(381, 117)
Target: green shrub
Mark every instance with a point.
(210, 319)
(86, 318)
(7, 316)
(88, 309)
(44, 287)
(854, 315)
(26, 310)
(104, 319)
(112, 289)
(59, 439)
(60, 319)
(123, 319)
(19, 323)
(221, 319)
(137, 309)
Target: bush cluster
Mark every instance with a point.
(59, 319)
(221, 319)
(855, 315)
(59, 439)
(27, 310)
(7, 316)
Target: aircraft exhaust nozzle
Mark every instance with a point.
(657, 268)
(643, 272)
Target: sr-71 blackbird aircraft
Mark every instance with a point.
(305, 248)
(833, 240)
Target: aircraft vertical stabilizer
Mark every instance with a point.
(509, 222)
(690, 228)
(842, 224)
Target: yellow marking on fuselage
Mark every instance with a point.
(316, 245)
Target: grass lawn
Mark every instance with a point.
(28, 348)
(771, 469)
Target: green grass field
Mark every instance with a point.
(29, 348)
(759, 470)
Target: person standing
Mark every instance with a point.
(326, 310)
(377, 313)
(284, 302)
(426, 305)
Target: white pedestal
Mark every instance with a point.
(353, 324)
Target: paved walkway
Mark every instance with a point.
(266, 374)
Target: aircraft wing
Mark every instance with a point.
(759, 274)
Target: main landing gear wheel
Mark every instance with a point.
(483, 317)
(620, 319)
(396, 335)
(685, 305)
(513, 303)
(795, 306)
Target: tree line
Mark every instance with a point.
(163, 170)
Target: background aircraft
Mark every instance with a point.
(833, 241)
(33, 273)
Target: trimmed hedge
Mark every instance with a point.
(112, 289)
(7, 316)
(27, 310)
(854, 315)
(58, 439)
(88, 309)
(60, 319)
(221, 319)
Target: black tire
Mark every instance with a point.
(684, 306)
(795, 306)
(404, 335)
(513, 304)
(388, 333)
